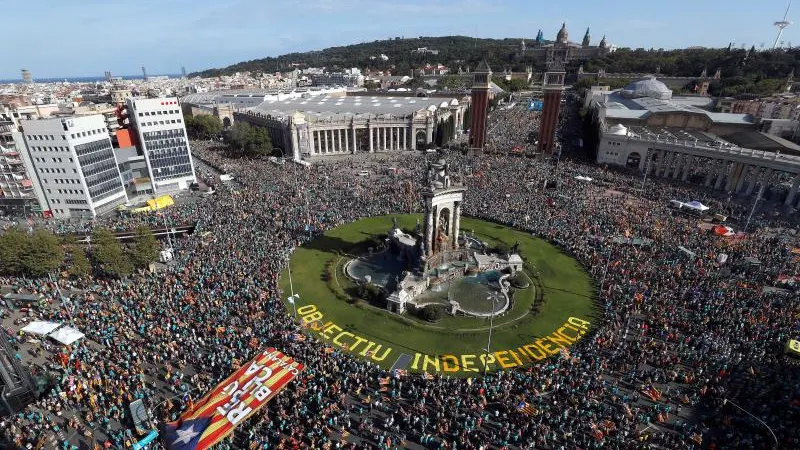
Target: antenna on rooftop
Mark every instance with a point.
(782, 24)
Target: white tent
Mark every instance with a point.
(694, 204)
(39, 327)
(66, 335)
(583, 178)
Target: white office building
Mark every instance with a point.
(163, 140)
(74, 165)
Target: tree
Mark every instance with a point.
(144, 249)
(512, 85)
(43, 254)
(247, 140)
(205, 126)
(108, 254)
(432, 313)
(79, 265)
(12, 246)
(372, 85)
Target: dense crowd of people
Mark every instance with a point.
(512, 127)
(685, 348)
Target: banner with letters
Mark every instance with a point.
(214, 417)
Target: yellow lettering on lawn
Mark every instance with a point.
(449, 363)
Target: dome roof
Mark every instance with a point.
(649, 87)
(562, 35)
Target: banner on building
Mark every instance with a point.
(214, 417)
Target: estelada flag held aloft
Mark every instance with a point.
(231, 402)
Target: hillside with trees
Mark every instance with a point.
(464, 51)
(744, 71)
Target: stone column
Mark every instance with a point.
(383, 138)
(742, 177)
(312, 142)
(369, 131)
(456, 223)
(766, 179)
(429, 133)
(710, 175)
(793, 191)
(295, 143)
(688, 163)
(679, 163)
(753, 180)
(347, 140)
(673, 156)
(355, 140)
(404, 136)
(720, 174)
(429, 213)
(662, 164)
(731, 175)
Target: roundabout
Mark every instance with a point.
(550, 302)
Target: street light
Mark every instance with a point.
(725, 401)
(293, 300)
(489, 342)
(289, 268)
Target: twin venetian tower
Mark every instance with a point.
(552, 86)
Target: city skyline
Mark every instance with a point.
(70, 39)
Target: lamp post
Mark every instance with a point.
(489, 342)
(289, 268)
(647, 169)
(726, 400)
(293, 300)
(753, 209)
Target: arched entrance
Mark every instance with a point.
(421, 140)
(443, 230)
(226, 122)
(634, 159)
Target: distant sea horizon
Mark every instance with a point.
(82, 79)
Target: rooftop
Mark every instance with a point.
(328, 106)
(211, 97)
(763, 141)
(745, 139)
(618, 106)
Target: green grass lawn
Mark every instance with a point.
(566, 288)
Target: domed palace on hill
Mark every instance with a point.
(562, 51)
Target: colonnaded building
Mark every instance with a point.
(645, 128)
(339, 123)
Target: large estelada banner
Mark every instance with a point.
(215, 416)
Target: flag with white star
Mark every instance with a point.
(186, 434)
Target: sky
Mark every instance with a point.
(57, 38)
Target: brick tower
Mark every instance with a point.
(480, 106)
(553, 86)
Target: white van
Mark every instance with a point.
(363, 173)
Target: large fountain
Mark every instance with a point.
(437, 263)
